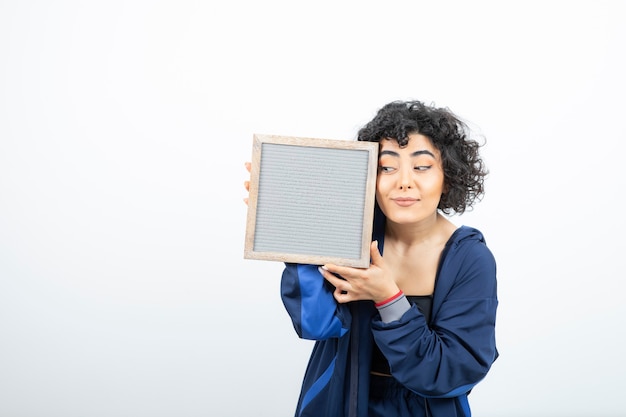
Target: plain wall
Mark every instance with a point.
(124, 128)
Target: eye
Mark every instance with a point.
(423, 167)
(386, 169)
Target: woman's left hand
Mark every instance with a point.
(361, 284)
(246, 183)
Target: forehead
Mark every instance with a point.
(417, 142)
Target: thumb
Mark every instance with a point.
(375, 254)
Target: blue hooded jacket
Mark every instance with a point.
(441, 362)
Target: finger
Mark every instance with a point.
(246, 184)
(341, 296)
(248, 166)
(328, 276)
(337, 282)
(375, 253)
(245, 200)
(344, 271)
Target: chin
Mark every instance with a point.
(405, 219)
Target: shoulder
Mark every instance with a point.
(468, 239)
(466, 233)
(467, 252)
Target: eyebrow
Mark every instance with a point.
(416, 153)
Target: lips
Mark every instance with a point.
(404, 201)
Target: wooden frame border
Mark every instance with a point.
(369, 176)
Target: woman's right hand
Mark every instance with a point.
(246, 183)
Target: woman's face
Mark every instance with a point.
(410, 180)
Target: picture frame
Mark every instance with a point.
(311, 200)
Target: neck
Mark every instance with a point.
(427, 230)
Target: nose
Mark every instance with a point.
(405, 179)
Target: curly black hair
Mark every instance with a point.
(464, 169)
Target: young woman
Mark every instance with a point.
(413, 333)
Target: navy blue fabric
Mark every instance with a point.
(390, 398)
(439, 363)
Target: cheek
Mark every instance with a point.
(381, 204)
(379, 200)
(384, 183)
(382, 189)
(380, 194)
(436, 187)
(434, 184)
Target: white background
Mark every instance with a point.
(124, 128)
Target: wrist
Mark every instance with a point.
(393, 308)
(388, 300)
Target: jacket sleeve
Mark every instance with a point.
(451, 356)
(308, 298)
